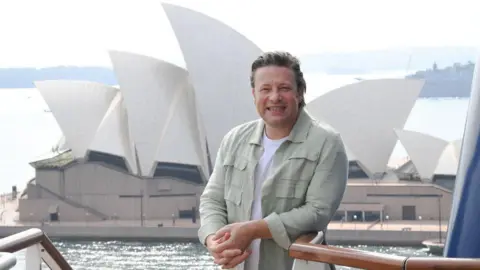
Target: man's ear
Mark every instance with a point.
(300, 98)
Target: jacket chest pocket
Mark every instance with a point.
(235, 172)
(300, 166)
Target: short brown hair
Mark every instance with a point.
(281, 59)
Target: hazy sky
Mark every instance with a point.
(63, 32)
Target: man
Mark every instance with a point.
(274, 179)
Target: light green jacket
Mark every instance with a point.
(304, 189)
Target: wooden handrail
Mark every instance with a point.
(343, 256)
(25, 239)
(441, 263)
(302, 249)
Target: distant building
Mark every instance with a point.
(433, 159)
(421, 188)
(368, 115)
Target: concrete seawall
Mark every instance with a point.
(380, 238)
(131, 233)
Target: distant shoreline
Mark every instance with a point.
(451, 81)
(427, 98)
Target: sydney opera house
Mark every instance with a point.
(144, 149)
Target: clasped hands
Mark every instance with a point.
(229, 246)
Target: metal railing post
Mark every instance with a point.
(7, 260)
(35, 240)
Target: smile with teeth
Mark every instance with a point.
(276, 108)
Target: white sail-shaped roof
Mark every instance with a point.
(159, 113)
(113, 136)
(457, 147)
(449, 159)
(197, 126)
(350, 154)
(78, 107)
(202, 134)
(424, 150)
(366, 114)
(218, 60)
(181, 118)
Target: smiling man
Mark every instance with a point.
(274, 179)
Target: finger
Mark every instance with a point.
(220, 233)
(212, 248)
(237, 260)
(216, 255)
(228, 244)
(224, 238)
(222, 260)
(229, 253)
(226, 259)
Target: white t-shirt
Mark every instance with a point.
(261, 173)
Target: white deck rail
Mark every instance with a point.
(7, 261)
(38, 247)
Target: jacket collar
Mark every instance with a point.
(298, 134)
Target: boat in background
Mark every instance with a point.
(435, 246)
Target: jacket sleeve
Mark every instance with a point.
(213, 210)
(323, 198)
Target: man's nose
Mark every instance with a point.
(275, 96)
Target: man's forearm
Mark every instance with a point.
(213, 212)
(213, 216)
(259, 229)
(212, 208)
(311, 217)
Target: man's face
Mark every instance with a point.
(276, 96)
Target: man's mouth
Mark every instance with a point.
(278, 109)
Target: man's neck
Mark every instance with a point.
(277, 133)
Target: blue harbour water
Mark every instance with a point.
(115, 255)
